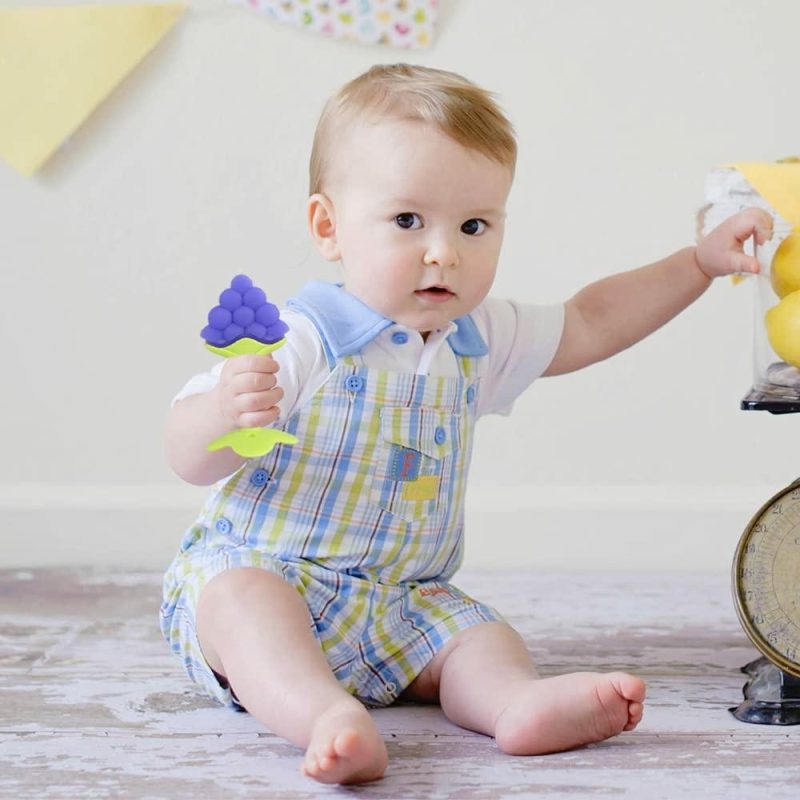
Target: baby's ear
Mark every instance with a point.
(322, 226)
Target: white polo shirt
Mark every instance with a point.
(521, 341)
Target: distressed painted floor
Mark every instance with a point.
(93, 705)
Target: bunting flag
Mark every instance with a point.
(400, 23)
(57, 64)
(778, 184)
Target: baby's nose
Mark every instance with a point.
(442, 252)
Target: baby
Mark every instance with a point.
(316, 580)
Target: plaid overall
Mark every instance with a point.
(364, 517)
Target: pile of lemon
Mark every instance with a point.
(783, 319)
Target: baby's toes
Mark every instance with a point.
(310, 766)
(347, 744)
(635, 712)
(327, 763)
(629, 686)
(318, 760)
(328, 749)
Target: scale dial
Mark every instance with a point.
(766, 579)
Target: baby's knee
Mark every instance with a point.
(241, 586)
(489, 634)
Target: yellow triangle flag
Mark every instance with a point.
(778, 184)
(57, 64)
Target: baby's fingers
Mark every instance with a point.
(742, 263)
(239, 364)
(258, 419)
(257, 408)
(753, 222)
(244, 382)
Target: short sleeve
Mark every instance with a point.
(522, 340)
(200, 383)
(302, 362)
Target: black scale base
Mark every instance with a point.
(771, 696)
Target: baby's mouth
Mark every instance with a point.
(436, 293)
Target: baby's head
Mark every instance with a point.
(410, 172)
(444, 100)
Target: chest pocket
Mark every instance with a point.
(414, 470)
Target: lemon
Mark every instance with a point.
(784, 273)
(783, 328)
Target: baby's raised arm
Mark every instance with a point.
(612, 314)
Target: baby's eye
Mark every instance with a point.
(408, 221)
(473, 227)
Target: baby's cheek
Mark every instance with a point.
(486, 279)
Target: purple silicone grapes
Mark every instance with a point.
(243, 310)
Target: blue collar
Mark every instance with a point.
(347, 325)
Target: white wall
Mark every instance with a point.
(195, 169)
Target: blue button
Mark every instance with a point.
(259, 477)
(470, 394)
(224, 525)
(355, 383)
(440, 436)
(399, 337)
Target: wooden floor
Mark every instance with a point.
(93, 704)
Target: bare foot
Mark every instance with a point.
(548, 715)
(345, 746)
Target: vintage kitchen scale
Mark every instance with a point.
(766, 565)
(766, 590)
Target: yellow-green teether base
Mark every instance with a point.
(252, 442)
(246, 347)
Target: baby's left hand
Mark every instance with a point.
(722, 251)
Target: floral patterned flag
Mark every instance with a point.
(400, 23)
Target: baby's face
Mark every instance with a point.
(419, 221)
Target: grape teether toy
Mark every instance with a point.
(245, 323)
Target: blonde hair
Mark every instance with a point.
(451, 103)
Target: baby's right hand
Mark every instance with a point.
(249, 391)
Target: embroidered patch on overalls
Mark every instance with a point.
(404, 464)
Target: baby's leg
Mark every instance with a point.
(254, 631)
(487, 683)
